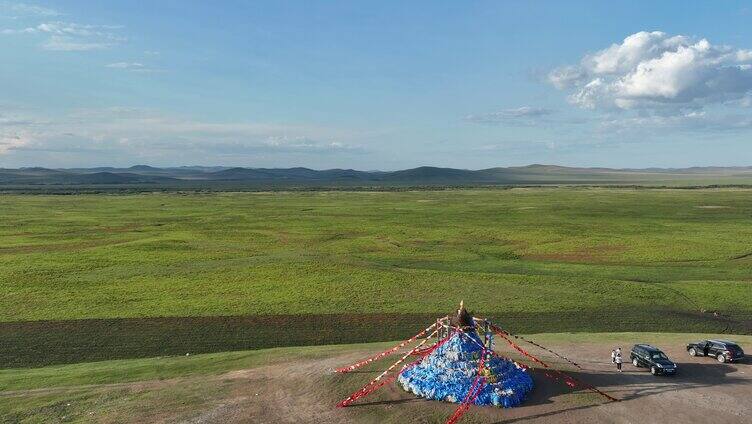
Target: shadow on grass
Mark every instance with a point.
(40, 343)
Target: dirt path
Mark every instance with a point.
(306, 392)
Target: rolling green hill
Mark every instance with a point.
(147, 178)
(97, 277)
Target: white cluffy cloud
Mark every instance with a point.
(126, 65)
(16, 130)
(25, 9)
(522, 116)
(305, 144)
(654, 70)
(10, 141)
(133, 67)
(68, 36)
(68, 44)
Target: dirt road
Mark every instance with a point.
(304, 389)
(703, 388)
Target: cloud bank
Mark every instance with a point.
(132, 133)
(657, 71)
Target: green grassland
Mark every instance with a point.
(541, 259)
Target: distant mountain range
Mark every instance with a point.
(225, 177)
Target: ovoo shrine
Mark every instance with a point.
(456, 363)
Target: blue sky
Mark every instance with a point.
(375, 85)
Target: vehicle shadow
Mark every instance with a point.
(634, 383)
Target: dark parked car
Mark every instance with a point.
(644, 355)
(722, 350)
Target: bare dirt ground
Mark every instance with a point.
(305, 391)
(702, 389)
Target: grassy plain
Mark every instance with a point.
(542, 259)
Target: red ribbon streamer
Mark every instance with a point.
(497, 329)
(547, 350)
(365, 391)
(533, 343)
(472, 394)
(478, 382)
(376, 384)
(570, 381)
(384, 353)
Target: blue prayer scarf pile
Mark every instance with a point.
(449, 371)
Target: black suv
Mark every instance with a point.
(644, 355)
(722, 350)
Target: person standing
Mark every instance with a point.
(613, 356)
(618, 359)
